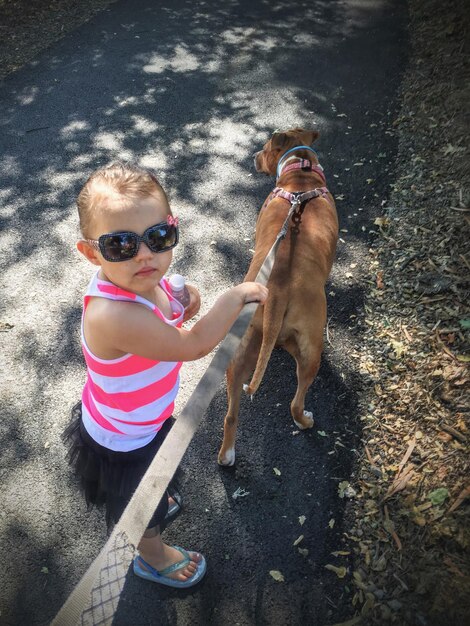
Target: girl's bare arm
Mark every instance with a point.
(131, 328)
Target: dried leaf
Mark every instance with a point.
(339, 571)
(453, 567)
(240, 493)
(345, 490)
(450, 149)
(277, 575)
(302, 519)
(298, 540)
(419, 520)
(379, 283)
(276, 471)
(383, 221)
(398, 347)
(368, 604)
(380, 564)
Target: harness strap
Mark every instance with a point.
(297, 197)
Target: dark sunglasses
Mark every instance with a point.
(122, 246)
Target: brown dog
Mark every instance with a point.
(294, 314)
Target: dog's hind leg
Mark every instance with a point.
(238, 373)
(308, 358)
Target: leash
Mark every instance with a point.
(95, 598)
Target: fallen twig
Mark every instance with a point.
(454, 433)
(327, 331)
(411, 447)
(465, 493)
(369, 457)
(445, 348)
(390, 527)
(400, 482)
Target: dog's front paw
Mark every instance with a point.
(227, 458)
(307, 421)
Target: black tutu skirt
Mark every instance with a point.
(109, 478)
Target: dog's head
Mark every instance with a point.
(266, 160)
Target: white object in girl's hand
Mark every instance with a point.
(179, 290)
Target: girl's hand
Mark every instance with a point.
(254, 292)
(194, 304)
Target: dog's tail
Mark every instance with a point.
(273, 315)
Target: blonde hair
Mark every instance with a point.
(122, 183)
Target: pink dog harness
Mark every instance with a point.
(297, 198)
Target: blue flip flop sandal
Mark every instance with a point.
(144, 570)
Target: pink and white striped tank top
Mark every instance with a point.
(126, 400)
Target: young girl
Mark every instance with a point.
(134, 343)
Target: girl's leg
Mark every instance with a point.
(160, 555)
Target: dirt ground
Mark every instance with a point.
(412, 534)
(410, 503)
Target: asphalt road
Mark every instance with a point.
(191, 89)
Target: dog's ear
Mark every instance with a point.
(279, 140)
(309, 136)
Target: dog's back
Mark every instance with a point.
(294, 314)
(302, 266)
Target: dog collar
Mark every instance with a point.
(283, 158)
(303, 164)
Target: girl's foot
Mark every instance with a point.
(171, 556)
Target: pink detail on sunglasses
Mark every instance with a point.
(172, 221)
